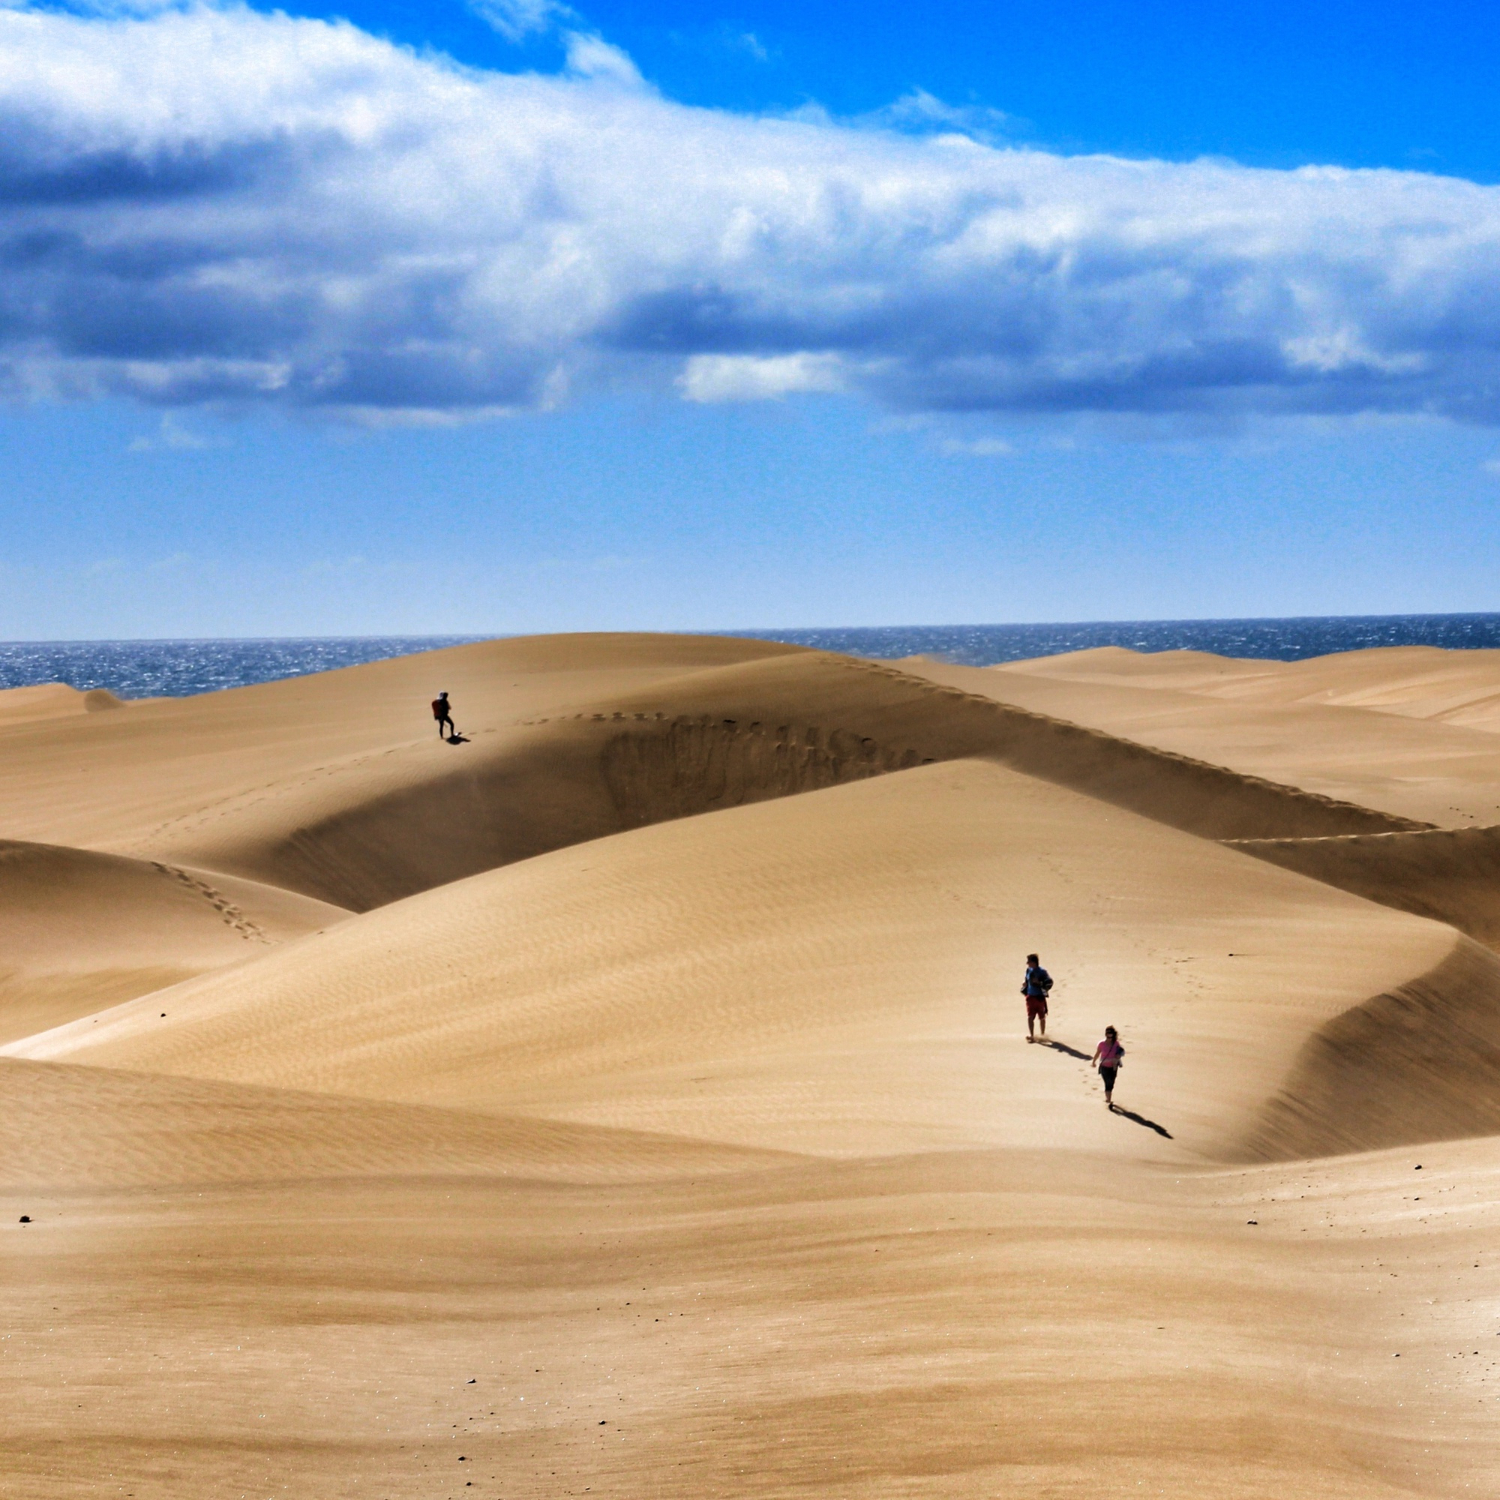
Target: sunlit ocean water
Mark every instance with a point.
(149, 669)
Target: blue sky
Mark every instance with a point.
(522, 317)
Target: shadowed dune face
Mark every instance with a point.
(1427, 1050)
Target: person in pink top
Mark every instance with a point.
(1108, 1056)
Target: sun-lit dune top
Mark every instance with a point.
(1409, 730)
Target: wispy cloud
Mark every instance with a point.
(172, 435)
(515, 20)
(748, 42)
(984, 447)
(925, 114)
(228, 206)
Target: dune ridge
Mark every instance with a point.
(365, 833)
(1450, 874)
(1426, 770)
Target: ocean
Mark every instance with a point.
(150, 669)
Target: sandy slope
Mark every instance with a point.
(1018, 1322)
(52, 700)
(664, 1125)
(1420, 682)
(1320, 726)
(80, 931)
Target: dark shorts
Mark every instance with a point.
(1036, 1005)
(1108, 1075)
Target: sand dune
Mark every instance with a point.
(1450, 874)
(370, 829)
(835, 972)
(1018, 1322)
(1428, 771)
(80, 931)
(1421, 682)
(1427, 1050)
(52, 700)
(1424, 682)
(664, 1124)
(70, 1128)
(123, 781)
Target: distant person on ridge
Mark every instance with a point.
(1035, 987)
(443, 716)
(1108, 1056)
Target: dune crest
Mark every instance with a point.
(1244, 716)
(367, 830)
(1450, 874)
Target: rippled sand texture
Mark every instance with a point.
(634, 1099)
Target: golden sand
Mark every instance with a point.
(635, 1099)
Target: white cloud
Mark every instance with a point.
(746, 377)
(234, 207)
(590, 56)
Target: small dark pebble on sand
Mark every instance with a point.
(26, 1218)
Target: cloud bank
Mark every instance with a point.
(225, 206)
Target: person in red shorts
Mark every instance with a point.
(1035, 986)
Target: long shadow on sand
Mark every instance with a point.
(1130, 1114)
(1063, 1047)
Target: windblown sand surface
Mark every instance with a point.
(634, 1099)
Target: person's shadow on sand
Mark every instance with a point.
(1064, 1047)
(1129, 1114)
(458, 739)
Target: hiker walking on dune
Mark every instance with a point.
(443, 716)
(1035, 986)
(1108, 1056)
